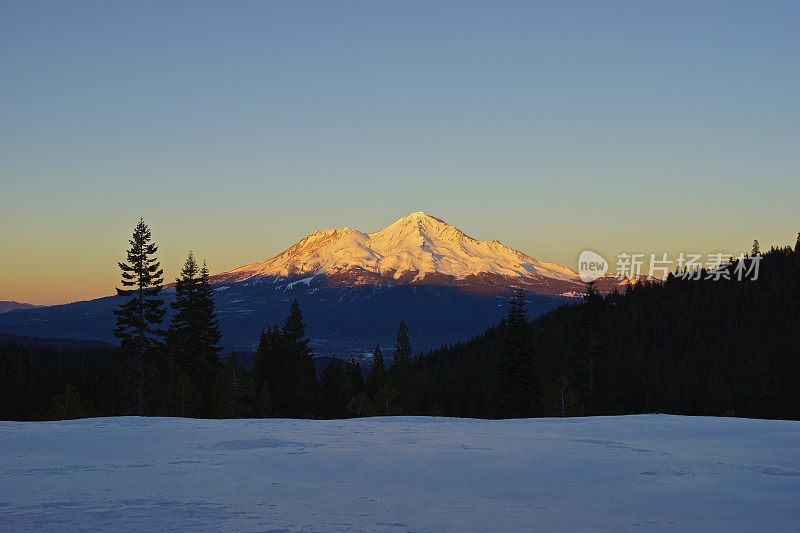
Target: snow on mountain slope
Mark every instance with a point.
(418, 243)
(626, 473)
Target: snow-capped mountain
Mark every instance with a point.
(418, 248)
(354, 289)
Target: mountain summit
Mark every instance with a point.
(354, 289)
(417, 248)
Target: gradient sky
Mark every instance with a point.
(236, 128)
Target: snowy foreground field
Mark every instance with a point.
(401, 474)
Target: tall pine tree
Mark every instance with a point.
(193, 336)
(138, 319)
(377, 376)
(514, 383)
(402, 350)
(602, 379)
(301, 358)
(180, 333)
(284, 370)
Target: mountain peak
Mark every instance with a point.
(421, 215)
(418, 244)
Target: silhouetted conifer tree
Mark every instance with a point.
(355, 379)
(603, 382)
(515, 389)
(193, 336)
(377, 375)
(402, 350)
(270, 370)
(797, 248)
(285, 365)
(334, 390)
(138, 319)
(233, 390)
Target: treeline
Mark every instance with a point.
(697, 347)
(177, 370)
(43, 383)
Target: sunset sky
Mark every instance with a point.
(237, 128)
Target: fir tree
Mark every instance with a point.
(355, 379)
(360, 406)
(402, 350)
(70, 405)
(333, 390)
(602, 386)
(756, 248)
(208, 326)
(180, 335)
(285, 365)
(514, 374)
(377, 376)
(138, 319)
(401, 368)
(383, 401)
(233, 390)
(270, 373)
(302, 373)
(193, 336)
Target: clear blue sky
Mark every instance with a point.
(236, 128)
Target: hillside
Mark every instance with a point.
(6, 306)
(682, 347)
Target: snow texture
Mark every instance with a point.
(632, 473)
(418, 243)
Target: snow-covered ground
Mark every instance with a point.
(401, 474)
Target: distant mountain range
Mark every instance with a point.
(354, 288)
(6, 306)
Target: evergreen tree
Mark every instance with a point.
(402, 350)
(401, 369)
(270, 373)
(756, 248)
(285, 365)
(384, 399)
(593, 347)
(208, 326)
(355, 379)
(193, 336)
(233, 390)
(360, 406)
(603, 384)
(333, 390)
(303, 375)
(181, 329)
(182, 398)
(377, 376)
(514, 384)
(70, 405)
(138, 319)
